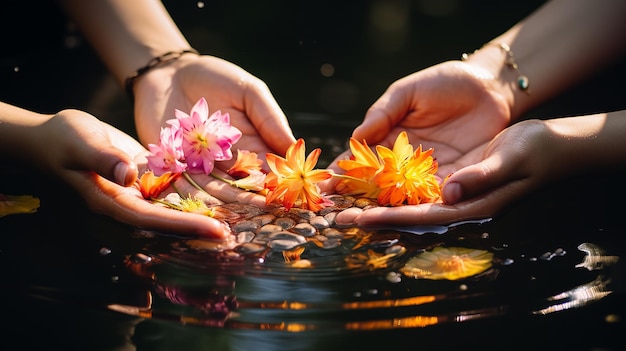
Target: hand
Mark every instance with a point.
(100, 162)
(519, 160)
(453, 107)
(226, 87)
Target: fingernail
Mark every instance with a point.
(226, 230)
(348, 216)
(125, 174)
(452, 193)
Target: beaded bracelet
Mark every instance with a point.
(166, 57)
(522, 81)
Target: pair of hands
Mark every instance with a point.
(449, 107)
(100, 162)
(456, 109)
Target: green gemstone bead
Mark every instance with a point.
(522, 82)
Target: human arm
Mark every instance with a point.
(128, 34)
(457, 105)
(100, 162)
(524, 157)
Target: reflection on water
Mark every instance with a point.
(594, 260)
(161, 292)
(264, 297)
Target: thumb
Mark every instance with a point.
(474, 180)
(384, 115)
(113, 164)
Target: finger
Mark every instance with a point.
(268, 118)
(384, 114)
(126, 205)
(483, 207)
(143, 214)
(109, 162)
(478, 179)
(328, 186)
(423, 214)
(226, 192)
(186, 189)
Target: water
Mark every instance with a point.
(80, 281)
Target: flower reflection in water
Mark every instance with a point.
(247, 299)
(449, 263)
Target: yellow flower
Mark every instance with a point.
(407, 176)
(17, 204)
(196, 206)
(294, 178)
(451, 263)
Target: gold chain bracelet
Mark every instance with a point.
(522, 81)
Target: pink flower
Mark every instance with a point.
(168, 155)
(205, 139)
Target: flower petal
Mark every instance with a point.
(18, 204)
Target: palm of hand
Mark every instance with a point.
(448, 107)
(227, 88)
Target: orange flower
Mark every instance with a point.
(360, 169)
(151, 186)
(293, 178)
(246, 163)
(407, 176)
(393, 176)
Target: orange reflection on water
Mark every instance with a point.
(406, 322)
(409, 301)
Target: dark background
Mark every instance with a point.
(45, 65)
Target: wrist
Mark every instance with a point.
(498, 59)
(156, 62)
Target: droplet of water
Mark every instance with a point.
(547, 256)
(612, 318)
(105, 251)
(394, 277)
(507, 261)
(141, 258)
(200, 4)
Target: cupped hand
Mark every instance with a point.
(453, 107)
(515, 163)
(100, 163)
(226, 87)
